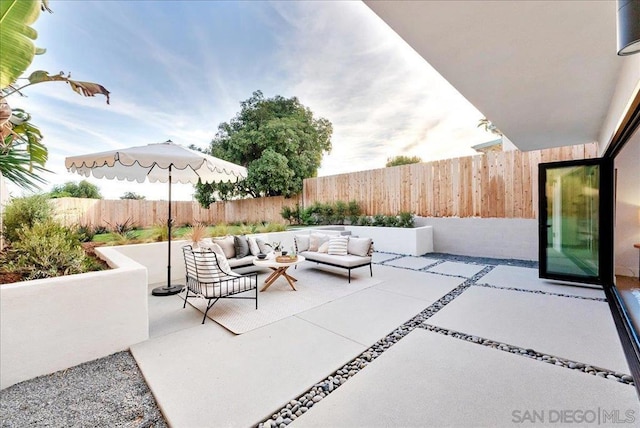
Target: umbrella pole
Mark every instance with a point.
(168, 290)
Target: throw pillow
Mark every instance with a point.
(241, 245)
(227, 245)
(338, 245)
(253, 246)
(223, 263)
(210, 267)
(302, 242)
(359, 246)
(316, 239)
(264, 248)
(324, 247)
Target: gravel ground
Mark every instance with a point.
(108, 392)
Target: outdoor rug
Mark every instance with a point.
(316, 286)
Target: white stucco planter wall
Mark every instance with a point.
(52, 324)
(414, 241)
(504, 238)
(153, 256)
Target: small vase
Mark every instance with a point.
(277, 253)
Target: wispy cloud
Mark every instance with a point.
(381, 96)
(179, 78)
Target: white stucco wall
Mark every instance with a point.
(627, 224)
(484, 237)
(411, 241)
(153, 256)
(52, 324)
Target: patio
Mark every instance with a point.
(437, 340)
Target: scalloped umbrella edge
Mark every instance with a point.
(160, 162)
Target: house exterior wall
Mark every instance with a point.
(627, 220)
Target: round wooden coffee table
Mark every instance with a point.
(279, 269)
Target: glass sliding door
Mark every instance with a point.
(576, 220)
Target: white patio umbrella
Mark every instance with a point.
(164, 162)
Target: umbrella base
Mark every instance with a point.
(167, 291)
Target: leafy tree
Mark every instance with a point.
(131, 195)
(83, 189)
(22, 154)
(277, 139)
(402, 160)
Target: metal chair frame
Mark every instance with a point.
(217, 284)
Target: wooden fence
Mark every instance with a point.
(143, 213)
(496, 184)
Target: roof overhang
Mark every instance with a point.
(544, 72)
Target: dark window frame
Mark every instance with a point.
(606, 204)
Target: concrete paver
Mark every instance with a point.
(421, 285)
(203, 382)
(527, 279)
(428, 379)
(455, 268)
(577, 329)
(358, 316)
(412, 262)
(382, 257)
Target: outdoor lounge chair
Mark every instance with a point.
(209, 277)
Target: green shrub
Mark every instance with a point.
(85, 232)
(122, 228)
(307, 218)
(46, 250)
(340, 209)
(220, 229)
(326, 213)
(291, 214)
(160, 232)
(99, 230)
(354, 209)
(25, 212)
(379, 220)
(364, 220)
(272, 227)
(405, 219)
(244, 229)
(285, 212)
(391, 221)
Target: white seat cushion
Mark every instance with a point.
(343, 261)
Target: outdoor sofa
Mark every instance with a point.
(240, 250)
(346, 252)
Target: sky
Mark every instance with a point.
(177, 69)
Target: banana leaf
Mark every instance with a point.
(16, 38)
